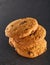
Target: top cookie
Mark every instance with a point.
(21, 27)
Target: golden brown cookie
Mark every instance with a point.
(37, 49)
(21, 27)
(27, 41)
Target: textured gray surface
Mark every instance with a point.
(14, 9)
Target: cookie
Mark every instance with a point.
(15, 44)
(21, 27)
(38, 49)
(27, 41)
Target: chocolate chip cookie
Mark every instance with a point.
(37, 49)
(21, 27)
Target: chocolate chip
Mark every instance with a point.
(30, 34)
(29, 52)
(39, 36)
(12, 25)
(23, 22)
(15, 29)
(26, 29)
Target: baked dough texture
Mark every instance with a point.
(21, 27)
(37, 49)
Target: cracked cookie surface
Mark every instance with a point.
(21, 27)
(37, 49)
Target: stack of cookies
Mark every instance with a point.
(27, 37)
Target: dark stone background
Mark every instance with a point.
(14, 9)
